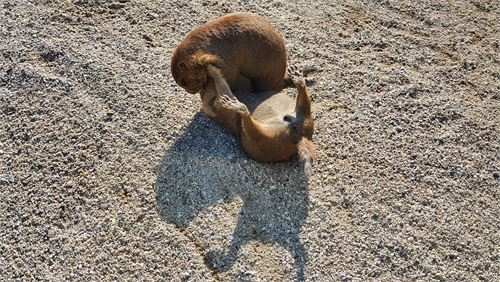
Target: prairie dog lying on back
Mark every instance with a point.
(269, 126)
(250, 52)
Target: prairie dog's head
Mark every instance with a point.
(191, 77)
(189, 71)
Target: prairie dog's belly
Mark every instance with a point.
(273, 110)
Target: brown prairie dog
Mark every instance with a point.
(274, 128)
(250, 52)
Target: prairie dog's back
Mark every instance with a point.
(244, 40)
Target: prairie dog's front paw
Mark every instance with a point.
(231, 103)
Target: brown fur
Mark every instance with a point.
(246, 47)
(274, 129)
(228, 119)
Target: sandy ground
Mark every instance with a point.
(108, 170)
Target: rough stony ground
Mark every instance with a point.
(108, 170)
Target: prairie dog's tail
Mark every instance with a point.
(307, 154)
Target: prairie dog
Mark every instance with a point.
(269, 126)
(250, 52)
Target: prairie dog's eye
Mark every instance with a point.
(182, 82)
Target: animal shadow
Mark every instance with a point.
(206, 167)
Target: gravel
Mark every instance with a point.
(109, 171)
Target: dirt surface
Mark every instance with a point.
(108, 170)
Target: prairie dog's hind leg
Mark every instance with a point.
(303, 103)
(304, 124)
